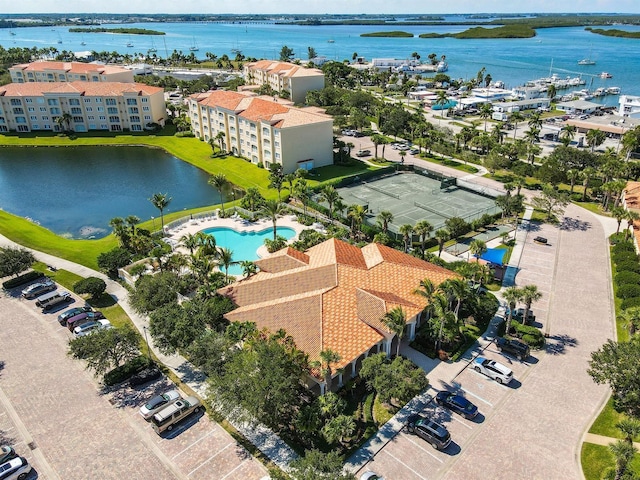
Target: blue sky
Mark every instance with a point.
(318, 6)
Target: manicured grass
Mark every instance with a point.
(593, 208)
(449, 163)
(63, 277)
(606, 422)
(380, 412)
(596, 459)
(338, 172)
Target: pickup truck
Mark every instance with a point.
(515, 347)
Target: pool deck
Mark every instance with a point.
(236, 223)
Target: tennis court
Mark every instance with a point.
(412, 197)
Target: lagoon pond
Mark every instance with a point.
(76, 191)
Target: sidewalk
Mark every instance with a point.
(516, 254)
(263, 438)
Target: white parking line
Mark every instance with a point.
(476, 396)
(211, 458)
(187, 448)
(424, 449)
(400, 461)
(237, 467)
(455, 417)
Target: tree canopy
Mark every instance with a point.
(14, 261)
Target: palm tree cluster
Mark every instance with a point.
(527, 295)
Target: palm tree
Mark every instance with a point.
(631, 217)
(529, 295)
(441, 100)
(356, 213)
(248, 268)
(630, 427)
(573, 175)
(220, 182)
(551, 91)
(225, 258)
(567, 134)
(423, 229)
(497, 133)
(219, 137)
(458, 290)
(619, 214)
(377, 139)
(161, 201)
(132, 221)
(516, 117)
(119, 230)
(406, 231)
(485, 112)
(477, 248)
(328, 357)
(385, 217)
(587, 174)
(271, 209)
(427, 290)
(630, 318)
(302, 193)
(190, 241)
(624, 453)
(330, 195)
(442, 235)
(512, 296)
(396, 321)
(595, 138)
(338, 428)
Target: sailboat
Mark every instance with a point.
(59, 39)
(83, 42)
(194, 46)
(587, 61)
(153, 48)
(129, 43)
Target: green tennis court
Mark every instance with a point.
(412, 197)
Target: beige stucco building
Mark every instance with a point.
(263, 130)
(282, 76)
(111, 106)
(48, 71)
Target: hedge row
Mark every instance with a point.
(627, 279)
(22, 279)
(126, 371)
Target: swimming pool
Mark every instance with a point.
(494, 255)
(450, 104)
(244, 245)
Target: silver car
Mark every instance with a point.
(37, 289)
(90, 327)
(159, 402)
(17, 468)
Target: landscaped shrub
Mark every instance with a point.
(623, 247)
(628, 291)
(187, 134)
(630, 303)
(124, 372)
(628, 266)
(22, 279)
(94, 286)
(275, 245)
(617, 238)
(529, 334)
(627, 278)
(620, 257)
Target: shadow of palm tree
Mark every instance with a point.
(558, 344)
(570, 224)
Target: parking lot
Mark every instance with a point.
(409, 457)
(57, 416)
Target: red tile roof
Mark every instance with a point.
(100, 89)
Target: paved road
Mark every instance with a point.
(534, 429)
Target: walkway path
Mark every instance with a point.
(263, 438)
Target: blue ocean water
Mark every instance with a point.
(244, 245)
(514, 61)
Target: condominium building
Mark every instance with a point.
(296, 80)
(629, 106)
(47, 71)
(263, 130)
(80, 106)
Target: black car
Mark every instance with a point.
(72, 312)
(434, 433)
(457, 404)
(515, 347)
(144, 376)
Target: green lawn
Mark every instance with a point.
(595, 460)
(605, 424)
(449, 163)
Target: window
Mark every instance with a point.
(43, 109)
(91, 117)
(31, 109)
(74, 101)
(89, 109)
(253, 138)
(33, 118)
(134, 118)
(18, 110)
(110, 101)
(39, 100)
(21, 120)
(95, 78)
(23, 128)
(78, 120)
(277, 156)
(83, 78)
(114, 119)
(104, 126)
(92, 126)
(112, 110)
(2, 120)
(45, 117)
(55, 111)
(100, 109)
(87, 100)
(98, 100)
(76, 111)
(265, 131)
(266, 142)
(131, 101)
(28, 100)
(16, 101)
(148, 117)
(102, 117)
(52, 102)
(144, 100)
(276, 144)
(232, 129)
(145, 108)
(136, 128)
(133, 110)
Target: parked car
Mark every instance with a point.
(357, 134)
(36, 289)
(72, 312)
(158, 402)
(414, 151)
(347, 133)
(83, 318)
(457, 403)
(144, 376)
(515, 347)
(363, 153)
(90, 327)
(16, 468)
(7, 453)
(518, 314)
(434, 433)
(370, 476)
(493, 370)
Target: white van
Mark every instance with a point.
(166, 418)
(51, 299)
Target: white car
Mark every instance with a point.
(493, 369)
(89, 327)
(159, 402)
(16, 468)
(370, 476)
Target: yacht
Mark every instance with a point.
(153, 48)
(606, 75)
(613, 90)
(330, 41)
(587, 61)
(194, 46)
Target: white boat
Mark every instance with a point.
(83, 42)
(330, 41)
(613, 90)
(587, 61)
(153, 48)
(606, 75)
(194, 46)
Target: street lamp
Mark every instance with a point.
(146, 339)
(153, 220)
